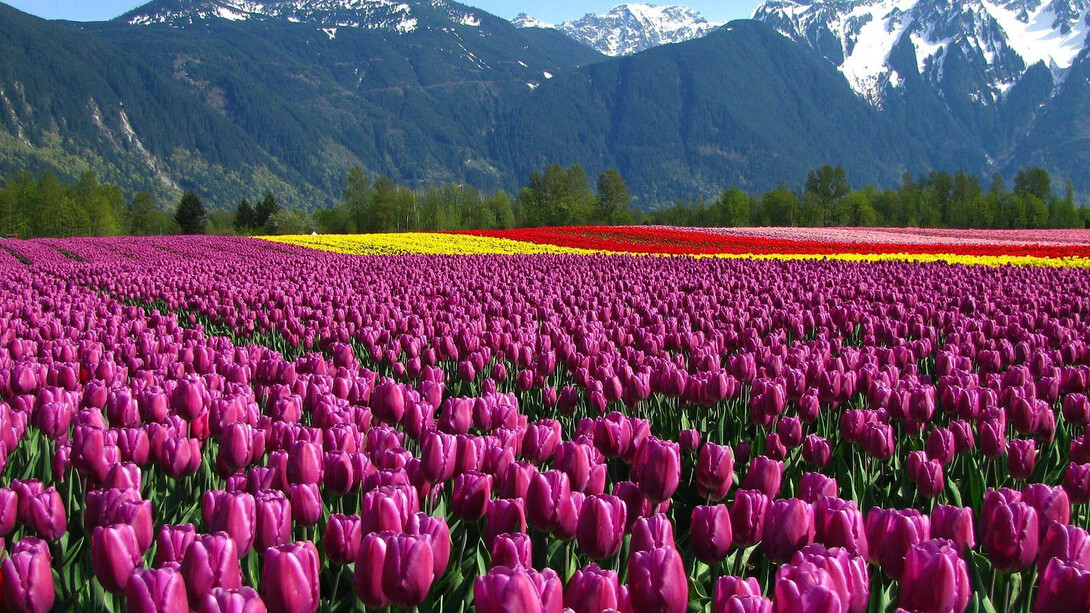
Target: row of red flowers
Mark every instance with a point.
(681, 241)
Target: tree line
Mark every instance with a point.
(43, 205)
(934, 200)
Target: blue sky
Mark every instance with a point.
(552, 10)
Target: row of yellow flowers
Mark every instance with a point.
(425, 243)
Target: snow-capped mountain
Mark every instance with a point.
(630, 28)
(394, 15)
(990, 43)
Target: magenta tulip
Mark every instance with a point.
(289, 578)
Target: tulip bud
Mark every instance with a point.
(1064, 587)
(512, 550)
(1068, 543)
(1051, 504)
(45, 513)
(955, 524)
(114, 555)
(1011, 536)
(306, 503)
(156, 591)
(437, 455)
(657, 469)
(935, 579)
(1021, 458)
(393, 569)
(437, 533)
(657, 582)
(815, 486)
(27, 578)
(689, 440)
(747, 517)
(805, 588)
(534, 592)
(210, 561)
(472, 495)
(601, 526)
(592, 590)
(817, 451)
(788, 527)
(341, 540)
(838, 523)
(711, 535)
(504, 516)
(289, 578)
(171, 543)
(239, 600)
(715, 471)
(764, 475)
(651, 532)
(891, 533)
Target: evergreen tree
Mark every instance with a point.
(265, 210)
(191, 216)
(245, 217)
(613, 199)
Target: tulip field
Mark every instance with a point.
(639, 420)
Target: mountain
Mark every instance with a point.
(283, 103)
(71, 102)
(995, 68)
(741, 106)
(630, 28)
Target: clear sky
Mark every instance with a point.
(548, 10)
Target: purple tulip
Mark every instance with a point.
(341, 540)
(394, 569)
(210, 561)
(114, 555)
(240, 600)
(747, 517)
(518, 590)
(504, 516)
(437, 455)
(1077, 482)
(926, 474)
(935, 579)
(1021, 458)
(657, 582)
(955, 524)
(657, 469)
(711, 535)
(1067, 543)
(45, 514)
(891, 533)
(472, 495)
(849, 576)
(512, 550)
(601, 526)
(1064, 587)
(233, 513)
(289, 578)
(815, 486)
(715, 471)
(805, 588)
(817, 450)
(1011, 536)
(171, 543)
(1051, 504)
(689, 440)
(592, 590)
(436, 531)
(272, 519)
(156, 591)
(838, 523)
(651, 532)
(27, 578)
(728, 588)
(306, 503)
(764, 475)
(788, 527)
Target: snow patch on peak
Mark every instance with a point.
(525, 21)
(631, 28)
(326, 14)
